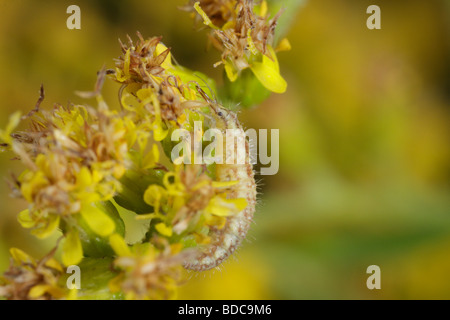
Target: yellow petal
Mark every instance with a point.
(20, 256)
(128, 102)
(119, 171)
(48, 228)
(146, 216)
(204, 16)
(231, 71)
(120, 76)
(73, 294)
(263, 8)
(25, 220)
(163, 229)
(216, 206)
(226, 207)
(251, 44)
(153, 196)
(14, 120)
(41, 162)
(155, 152)
(72, 250)
(274, 57)
(119, 245)
(84, 178)
(126, 64)
(151, 158)
(38, 291)
(240, 203)
(37, 181)
(159, 133)
(229, 25)
(97, 176)
(224, 184)
(268, 74)
(200, 185)
(216, 221)
(182, 118)
(284, 45)
(167, 64)
(145, 95)
(97, 220)
(53, 263)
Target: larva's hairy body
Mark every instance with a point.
(226, 240)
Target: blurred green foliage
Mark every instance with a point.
(364, 138)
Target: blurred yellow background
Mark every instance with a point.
(364, 139)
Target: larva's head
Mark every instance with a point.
(225, 118)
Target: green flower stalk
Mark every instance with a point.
(84, 165)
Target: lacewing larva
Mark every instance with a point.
(226, 240)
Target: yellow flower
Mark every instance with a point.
(43, 225)
(245, 41)
(155, 196)
(189, 201)
(28, 279)
(146, 272)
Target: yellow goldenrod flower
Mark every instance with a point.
(28, 279)
(245, 40)
(145, 271)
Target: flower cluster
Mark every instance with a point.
(82, 164)
(245, 39)
(86, 165)
(28, 279)
(75, 157)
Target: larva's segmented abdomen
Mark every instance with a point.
(226, 240)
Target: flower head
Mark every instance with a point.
(30, 279)
(75, 157)
(245, 39)
(146, 271)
